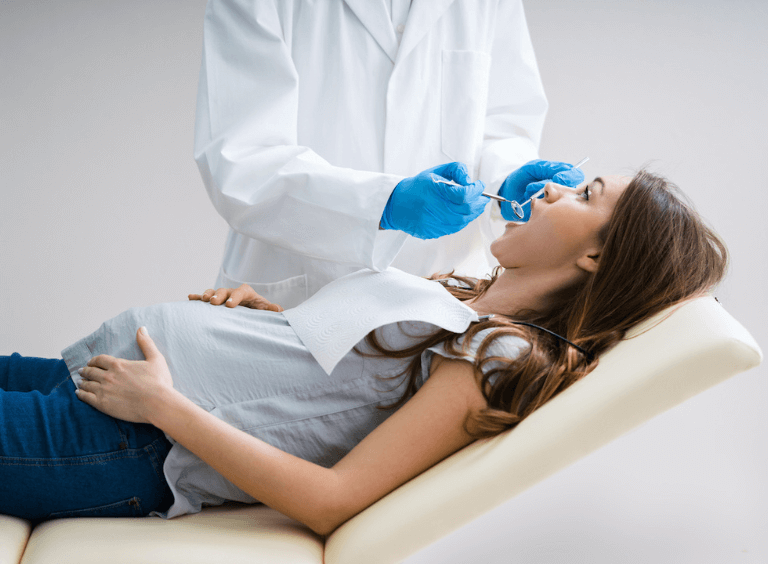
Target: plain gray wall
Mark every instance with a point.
(103, 209)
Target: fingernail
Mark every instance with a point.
(229, 300)
(80, 370)
(144, 331)
(213, 297)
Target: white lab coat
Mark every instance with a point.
(310, 113)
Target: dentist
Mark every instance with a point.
(319, 125)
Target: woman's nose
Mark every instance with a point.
(553, 192)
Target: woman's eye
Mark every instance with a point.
(585, 193)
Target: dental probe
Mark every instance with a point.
(515, 206)
(497, 197)
(517, 209)
(540, 192)
(581, 162)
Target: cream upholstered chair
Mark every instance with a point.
(660, 364)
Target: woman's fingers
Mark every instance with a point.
(239, 294)
(243, 295)
(215, 297)
(103, 361)
(205, 296)
(257, 302)
(88, 386)
(220, 296)
(146, 344)
(90, 373)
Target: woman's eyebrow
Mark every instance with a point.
(602, 184)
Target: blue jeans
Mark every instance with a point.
(59, 457)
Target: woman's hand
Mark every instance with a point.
(244, 296)
(127, 389)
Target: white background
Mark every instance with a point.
(102, 209)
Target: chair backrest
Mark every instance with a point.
(661, 363)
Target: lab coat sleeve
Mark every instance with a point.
(259, 179)
(516, 101)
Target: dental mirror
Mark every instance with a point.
(517, 208)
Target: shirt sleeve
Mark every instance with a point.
(260, 180)
(506, 346)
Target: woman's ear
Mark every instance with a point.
(589, 261)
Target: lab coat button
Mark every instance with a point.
(400, 28)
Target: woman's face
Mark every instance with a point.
(563, 226)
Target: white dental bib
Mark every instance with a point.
(338, 316)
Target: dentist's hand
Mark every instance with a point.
(427, 209)
(530, 178)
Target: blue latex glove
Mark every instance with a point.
(532, 177)
(427, 209)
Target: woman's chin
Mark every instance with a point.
(496, 246)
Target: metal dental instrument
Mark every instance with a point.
(517, 209)
(581, 162)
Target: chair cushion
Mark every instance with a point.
(14, 533)
(662, 362)
(232, 533)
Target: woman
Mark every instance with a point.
(320, 447)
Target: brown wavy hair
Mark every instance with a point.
(656, 252)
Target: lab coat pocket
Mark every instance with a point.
(464, 98)
(287, 293)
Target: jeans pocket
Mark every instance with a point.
(126, 508)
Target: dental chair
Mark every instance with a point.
(661, 363)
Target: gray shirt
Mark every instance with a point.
(250, 369)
